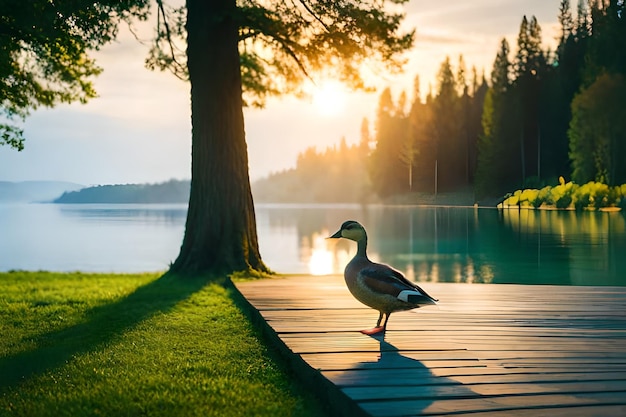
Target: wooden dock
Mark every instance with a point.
(485, 350)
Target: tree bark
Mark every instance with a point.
(220, 232)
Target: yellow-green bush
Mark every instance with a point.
(570, 195)
(528, 196)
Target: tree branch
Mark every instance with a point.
(168, 34)
(315, 16)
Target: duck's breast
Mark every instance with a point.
(356, 284)
(351, 274)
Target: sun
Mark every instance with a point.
(329, 98)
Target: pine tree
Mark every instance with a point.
(479, 91)
(530, 68)
(606, 46)
(521, 58)
(582, 29)
(388, 173)
(461, 78)
(565, 20)
(451, 143)
(560, 84)
(501, 73)
(422, 142)
(498, 161)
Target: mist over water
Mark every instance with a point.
(428, 244)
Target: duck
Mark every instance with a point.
(376, 285)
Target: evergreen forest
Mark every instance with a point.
(539, 115)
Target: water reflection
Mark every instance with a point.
(453, 244)
(90, 237)
(428, 244)
(576, 248)
(167, 214)
(315, 253)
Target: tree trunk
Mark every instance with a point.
(220, 232)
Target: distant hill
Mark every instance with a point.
(173, 191)
(34, 191)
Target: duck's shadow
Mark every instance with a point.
(398, 381)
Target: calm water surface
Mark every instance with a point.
(448, 244)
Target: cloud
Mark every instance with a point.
(438, 38)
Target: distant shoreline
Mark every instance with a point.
(177, 192)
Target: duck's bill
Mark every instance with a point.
(337, 235)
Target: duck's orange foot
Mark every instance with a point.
(375, 330)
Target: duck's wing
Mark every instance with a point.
(383, 279)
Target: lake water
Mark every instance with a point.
(446, 244)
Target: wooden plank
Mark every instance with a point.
(577, 411)
(376, 393)
(492, 350)
(355, 343)
(466, 375)
(502, 404)
(348, 360)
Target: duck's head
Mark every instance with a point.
(350, 230)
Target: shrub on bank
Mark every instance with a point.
(590, 196)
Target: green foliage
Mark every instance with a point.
(12, 136)
(499, 152)
(598, 131)
(561, 195)
(597, 142)
(44, 50)
(563, 201)
(529, 58)
(135, 345)
(498, 149)
(282, 43)
(607, 40)
(533, 124)
(592, 195)
(535, 197)
(543, 196)
(527, 197)
(501, 72)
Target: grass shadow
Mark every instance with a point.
(101, 325)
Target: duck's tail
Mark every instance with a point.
(416, 297)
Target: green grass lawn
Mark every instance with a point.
(131, 345)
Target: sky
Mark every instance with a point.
(139, 128)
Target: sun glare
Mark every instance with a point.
(321, 261)
(329, 97)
